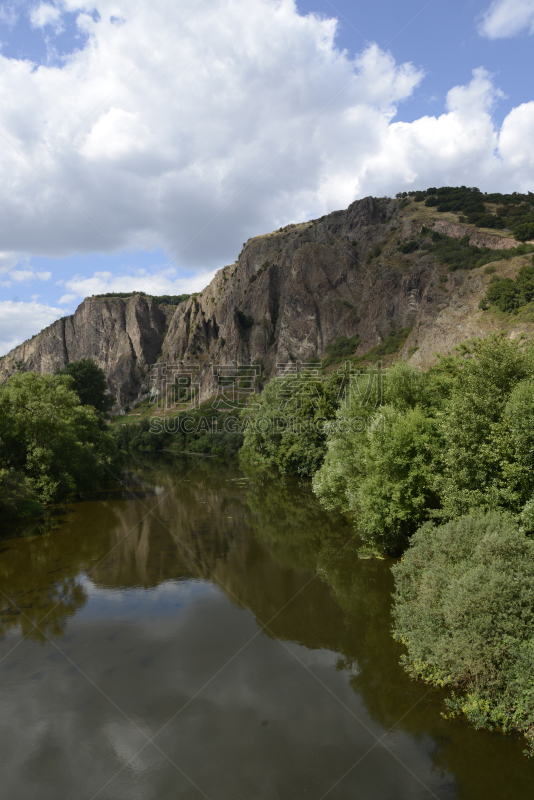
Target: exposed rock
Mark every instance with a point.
(477, 238)
(124, 337)
(288, 295)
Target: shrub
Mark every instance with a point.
(463, 608)
(524, 231)
(17, 498)
(341, 348)
(409, 247)
(507, 294)
(245, 321)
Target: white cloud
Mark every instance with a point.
(246, 117)
(167, 281)
(45, 14)
(27, 275)
(19, 321)
(22, 275)
(505, 18)
(518, 131)
(67, 299)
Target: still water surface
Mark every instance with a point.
(214, 635)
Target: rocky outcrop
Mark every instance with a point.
(289, 294)
(293, 291)
(477, 238)
(124, 337)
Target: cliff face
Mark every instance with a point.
(293, 291)
(124, 337)
(289, 294)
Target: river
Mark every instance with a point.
(210, 633)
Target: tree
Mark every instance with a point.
(56, 443)
(286, 428)
(379, 465)
(89, 383)
(472, 427)
(463, 608)
(524, 231)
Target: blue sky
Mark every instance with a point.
(442, 38)
(141, 144)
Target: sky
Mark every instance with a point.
(142, 143)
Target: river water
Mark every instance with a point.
(213, 634)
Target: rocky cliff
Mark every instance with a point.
(124, 337)
(289, 294)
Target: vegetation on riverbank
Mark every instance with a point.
(463, 609)
(51, 444)
(208, 430)
(438, 466)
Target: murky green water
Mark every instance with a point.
(217, 637)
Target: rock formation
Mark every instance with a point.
(124, 337)
(289, 294)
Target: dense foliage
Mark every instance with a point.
(441, 467)
(89, 383)
(339, 348)
(455, 438)
(50, 444)
(508, 294)
(286, 427)
(206, 431)
(464, 608)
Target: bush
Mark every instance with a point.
(463, 608)
(245, 321)
(459, 254)
(58, 445)
(392, 342)
(17, 499)
(524, 231)
(409, 247)
(341, 348)
(507, 294)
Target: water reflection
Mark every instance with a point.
(161, 598)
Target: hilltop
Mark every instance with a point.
(388, 278)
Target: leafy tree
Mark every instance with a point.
(473, 436)
(17, 498)
(514, 443)
(50, 438)
(379, 465)
(524, 231)
(205, 430)
(396, 490)
(89, 383)
(463, 608)
(286, 429)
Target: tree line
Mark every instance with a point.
(437, 468)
